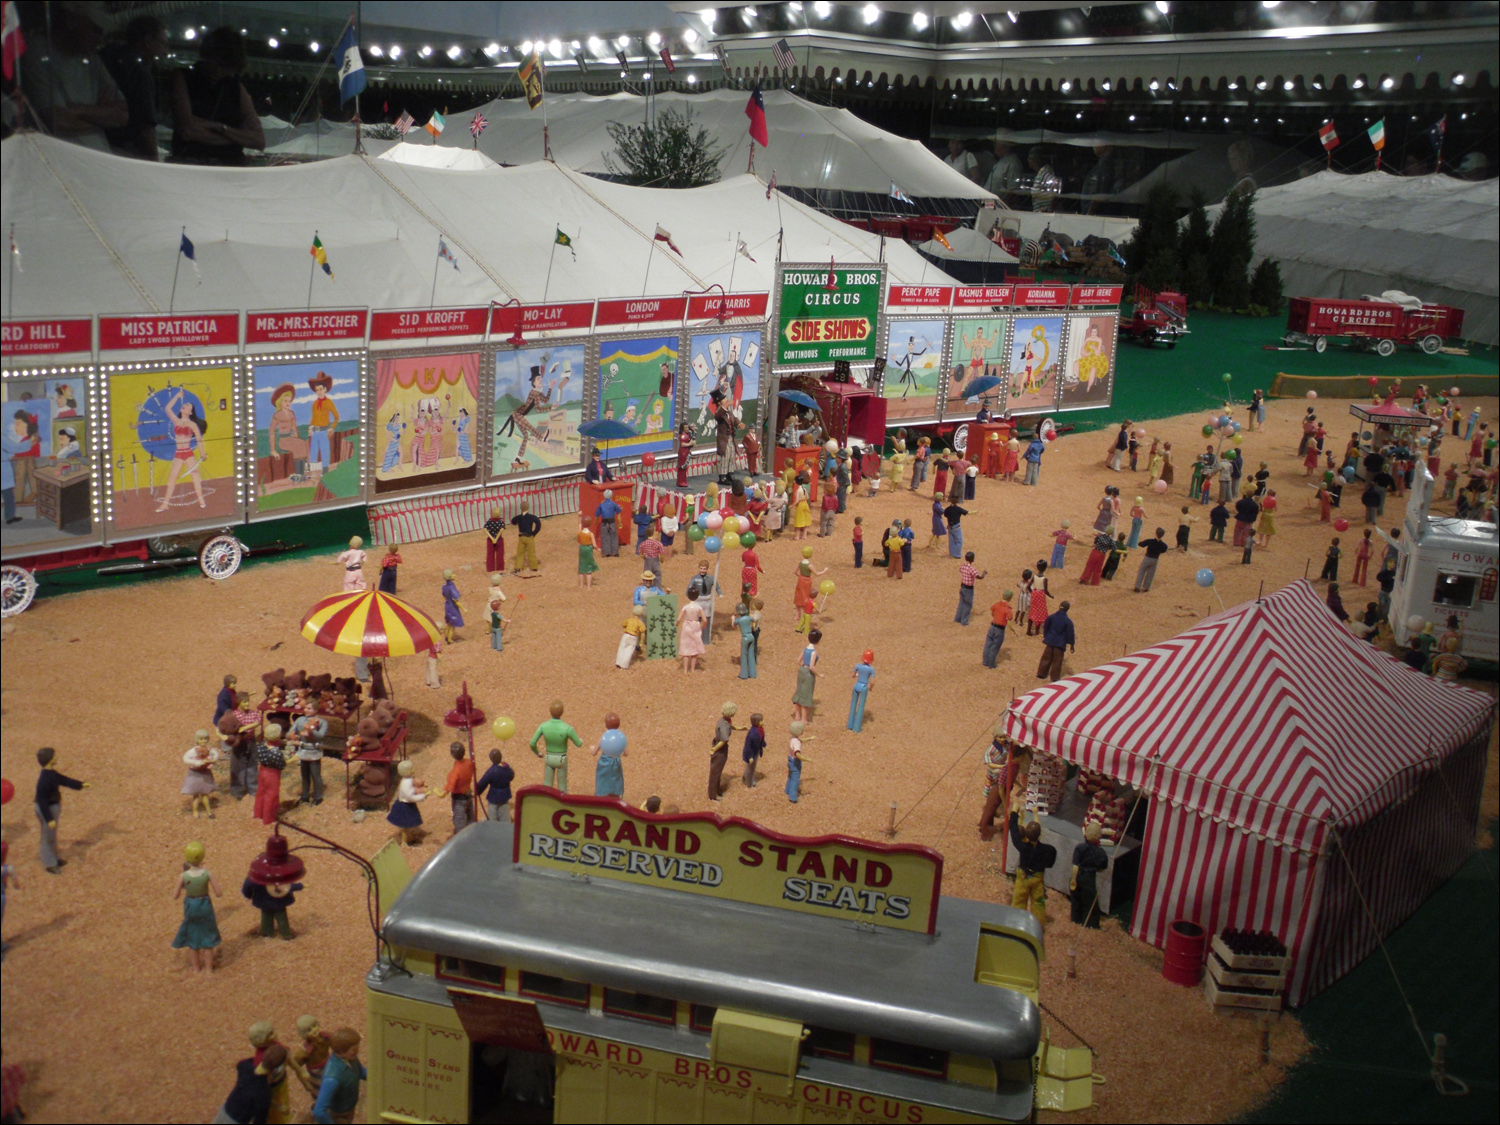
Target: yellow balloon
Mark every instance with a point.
(1236, 440)
(729, 542)
(503, 728)
(731, 525)
(825, 587)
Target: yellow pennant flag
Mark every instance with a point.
(531, 79)
(942, 238)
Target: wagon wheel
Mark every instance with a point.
(961, 438)
(1385, 348)
(17, 589)
(1320, 344)
(1432, 344)
(220, 557)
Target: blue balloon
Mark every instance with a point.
(1235, 426)
(1225, 420)
(1348, 472)
(612, 741)
(712, 544)
(1205, 578)
(703, 520)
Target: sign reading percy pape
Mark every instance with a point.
(895, 885)
(827, 313)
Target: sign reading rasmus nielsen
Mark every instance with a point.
(826, 313)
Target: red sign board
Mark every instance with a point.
(305, 324)
(541, 318)
(920, 296)
(46, 337)
(737, 306)
(640, 310)
(415, 324)
(1043, 296)
(1097, 294)
(983, 296)
(172, 330)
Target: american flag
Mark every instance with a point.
(784, 57)
(404, 123)
(478, 125)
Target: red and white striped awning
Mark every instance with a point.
(1271, 718)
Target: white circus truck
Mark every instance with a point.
(1448, 567)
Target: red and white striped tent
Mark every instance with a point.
(1293, 771)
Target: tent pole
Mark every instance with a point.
(10, 268)
(312, 267)
(733, 259)
(436, 261)
(548, 283)
(172, 301)
(647, 279)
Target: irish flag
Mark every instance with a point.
(1377, 134)
(435, 124)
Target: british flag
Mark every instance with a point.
(478, 125)
(404, 123)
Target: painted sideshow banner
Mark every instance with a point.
(45, 442)
(978, 351)
(538, 406)
(172, 451)
(307, 433)
(1035, 360)
(426, 411)
(913, 367)
(637, 376)
(1091, 357)
(728, 361)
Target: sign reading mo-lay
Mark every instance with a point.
(818, 322)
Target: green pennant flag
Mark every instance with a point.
(564, 240)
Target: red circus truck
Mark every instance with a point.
(1376, 324)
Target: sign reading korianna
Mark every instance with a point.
(894, 885)
(826, 313)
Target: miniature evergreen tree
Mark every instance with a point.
(1197, 283)
(670, 153)
(1197, 233)
(1155, 235)
(1233, 249)
(1266, 286)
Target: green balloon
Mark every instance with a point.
(695, 533)
(1228, 377)
(747, 539)
(1208, 431)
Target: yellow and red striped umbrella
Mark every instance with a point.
(369, 623)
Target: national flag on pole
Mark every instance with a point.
(1377, 134)
(741, 248)
(531, 75)
(445, 254)
(563, 240)
(15, 252)
(321, 256)
(1329, 136)
(435, 124)
(723, 56)
(1437, 132)
(897, 193)
(624, 62)
(478, 125)
(667, 60)
(663, 236)
(755, 110)
(833, 280)
(185, 248)
(937, 233)
(351, 66)
(771, 185)
(12, 43)
(785, 60)
(404, 123)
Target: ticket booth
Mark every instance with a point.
(986, 446)
(590, 496)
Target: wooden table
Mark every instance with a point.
(63, 494)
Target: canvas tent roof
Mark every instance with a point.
(100, 234)
(812, 146)
(1345, 236)
(968, 246)
(1271, 716)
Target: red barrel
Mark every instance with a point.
(1184, 960)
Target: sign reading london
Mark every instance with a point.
(827, 313)
(894, 885)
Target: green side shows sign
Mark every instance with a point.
(818, 322)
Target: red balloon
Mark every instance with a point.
(648, 459)
(1340, 525)
(1372, 380)
(7, 791)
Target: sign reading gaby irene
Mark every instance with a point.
(894, 885)
(827, 313)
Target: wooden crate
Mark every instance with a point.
(1225, 997)
(1241, 978)
(1234, 960)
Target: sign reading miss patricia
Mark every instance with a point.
(895, 885)
(826, 313)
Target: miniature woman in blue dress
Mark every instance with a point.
(609, 774)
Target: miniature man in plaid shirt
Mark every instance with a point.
(967, 576)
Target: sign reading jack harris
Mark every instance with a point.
(894, 885)
(827, 313)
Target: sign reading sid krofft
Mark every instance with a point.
(827, 312)
(894, 885)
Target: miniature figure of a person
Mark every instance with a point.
(807, 678)
(1083, 882)
(632, 638)
(309, 1058)
(460, 787)
(1000, 615)
(1117, 553)
(270, 757)
(996, 758)
(754, 748)
(527, 526)
(794, 760)
(607, 512)
(1330, 571)
(557, 736)
(404, 814)
(748, 643)
(389, 562)
(199, 932)
(494, 787)
(251, 1098)
(494, 542)
(453, 608)
(1033, 858)
(353, 562)
(703, 589)
(718, 755)
(864, 673)
(609, 771)
(338, 1093)
(308, 732)
(587, 565)
(199, 785)
(225, 700)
